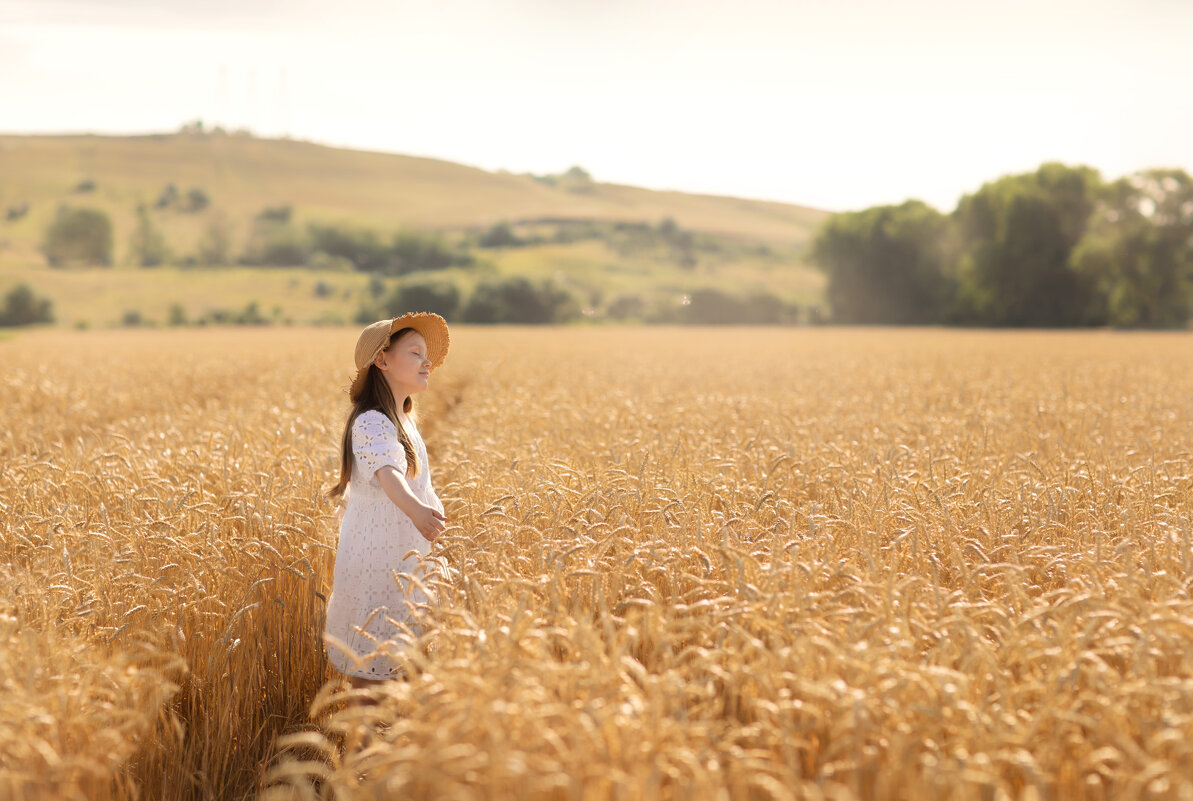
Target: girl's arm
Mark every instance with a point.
(429, 522)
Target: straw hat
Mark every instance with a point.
(376, 336)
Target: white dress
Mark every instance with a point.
(368, 600)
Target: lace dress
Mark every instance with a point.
(367, 600)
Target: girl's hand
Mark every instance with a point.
(429, 522)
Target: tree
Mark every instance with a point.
(215, 243)
(22, 307)
(79, 235)
(518, 300)
(886, 264)
(361, 247)
(147, 245)
(438, 297)
(167, 197)
(412, 252)
(713, 307)
(1139, 250)
(1018, 234)
(500, 235)
(274, 241)
(196, 199)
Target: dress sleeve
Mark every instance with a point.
(375, 443)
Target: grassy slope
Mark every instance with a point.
(242, 175)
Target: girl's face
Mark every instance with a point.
(405, 365)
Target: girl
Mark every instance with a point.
(391, 509)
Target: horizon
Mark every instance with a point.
(834, 109)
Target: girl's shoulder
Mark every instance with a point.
(372, 420)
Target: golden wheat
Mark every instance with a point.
(683, 564)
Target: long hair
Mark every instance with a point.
(375, 395)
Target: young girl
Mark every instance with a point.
(391, 509)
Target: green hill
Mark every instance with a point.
(756, 243)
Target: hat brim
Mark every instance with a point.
(434, 332)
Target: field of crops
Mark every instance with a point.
(685, 564)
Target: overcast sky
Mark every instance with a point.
(835, 104)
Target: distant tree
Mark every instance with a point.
(1139, 250)
(577, 173)
(886, 264)
(500, 235)
(22, 307)
(683, 248)
(1017, 237)
(215, 243)
(251, 315)
(13, 213)
(192, 128)
(361, 247)
(763, 308)
(439, 297)
(196, 199)
(518, 300)
(576, 179)
(84, 186)
(177, 315)
(713, 307)
(147, 245)
(626, 307)
(167, 197)
(275, 242)
(367, 313)
(483, 307)
(279, 214)
(411, 252)
(79, 235)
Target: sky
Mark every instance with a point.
(834, 104)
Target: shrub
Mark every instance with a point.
(22, 307)
(167, 197)
(626, 307)
(197, 200)
(147, 245)
(84, 186)
(500, 236)
(79, 235)
(714, 307)
(411, 252)
(14, 213)
(367, 313)
(215, 243)
(326, 263)
(441, 298)
(763, 308)
(249, 315)
(177, 315)
(275, 243)
(131, 318)
(362, 248)
(279, 214)
(517, 300)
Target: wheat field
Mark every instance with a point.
(684, 564)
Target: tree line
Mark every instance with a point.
(1051, 248)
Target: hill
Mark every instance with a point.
(238, 176)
